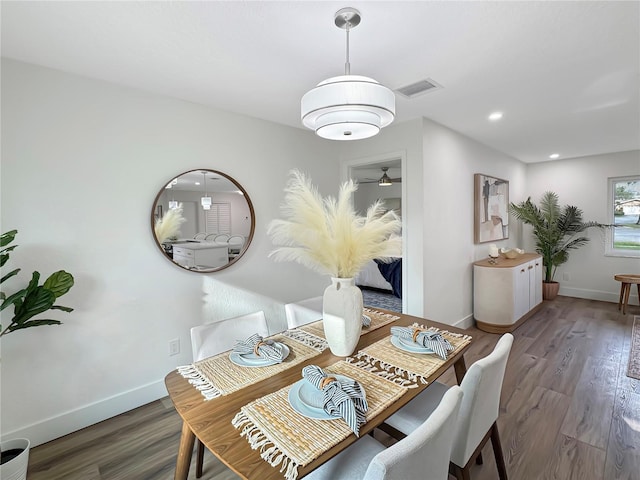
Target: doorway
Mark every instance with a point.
(380, 178)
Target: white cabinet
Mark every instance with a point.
(505, 294)
(203, 255)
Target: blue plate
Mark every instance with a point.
(409, 346)
(307, 400)
(253, 360)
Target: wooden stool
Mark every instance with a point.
(627, 280)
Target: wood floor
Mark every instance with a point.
(568, 411)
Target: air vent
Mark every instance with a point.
(418, 88)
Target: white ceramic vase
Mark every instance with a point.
(342, 315)
(16, 468)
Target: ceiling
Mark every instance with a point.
(566, 75)
(202, 181)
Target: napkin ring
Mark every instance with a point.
(326, 381)
(258, 345)
(416, 332)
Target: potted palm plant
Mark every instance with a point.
(27, 302)
(557, 231)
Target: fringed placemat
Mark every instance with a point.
(288, 439)
(217, 376)
(310, 339)
(378, 319)
(405, 368)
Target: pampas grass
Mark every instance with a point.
(326, 235)
(169, 225)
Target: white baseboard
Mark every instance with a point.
(595, 295)
(78, 418)
(465, 322)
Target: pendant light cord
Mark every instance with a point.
(347, 65)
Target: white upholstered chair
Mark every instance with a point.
(199, 236)
(303, 312)
(214, 338)
(236, 242)
(220, 237)
(482, 386)
(423, 454)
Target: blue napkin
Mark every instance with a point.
(340, 399)
(267, 349)
(425, 338)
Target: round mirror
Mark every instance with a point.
(202, 220)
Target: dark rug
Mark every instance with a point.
(634, 353)
(388, 301)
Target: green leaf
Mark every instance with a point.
(9, 275)
(59, 283)
(4, 254)
(7, 238)
(12, 299)
(33, 323)
(36, 301)
(60, 307)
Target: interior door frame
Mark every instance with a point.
(346, 168)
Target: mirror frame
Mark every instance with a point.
(251, 212)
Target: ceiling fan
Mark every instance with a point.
(384, 180)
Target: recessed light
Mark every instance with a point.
(197, 183)
(495, 116)
(553, 156)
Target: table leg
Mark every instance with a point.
(625, 302)
(621, 296)
(461, 368)
(185, 450)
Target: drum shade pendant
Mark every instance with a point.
(206, 200)
(348, 107)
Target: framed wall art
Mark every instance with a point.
(491, 213)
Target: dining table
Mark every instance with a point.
(212, 414)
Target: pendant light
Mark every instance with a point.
(385, 181)
(206, 200)
(172, 203)
(348, 107)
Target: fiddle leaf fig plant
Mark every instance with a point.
(34, 299)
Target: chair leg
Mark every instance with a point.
(461, 473)
(497, 451)
(391, 431)
(199, 458)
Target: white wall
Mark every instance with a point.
(583, 182)
(450, 162)
(82, 162)
(369, 193)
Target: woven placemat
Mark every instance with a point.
(405, 368)
(378, 319)
(288, 439)
(633, 370)
(217, 376)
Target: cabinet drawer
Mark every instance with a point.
(183, 252)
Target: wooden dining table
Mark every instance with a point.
(211, 420)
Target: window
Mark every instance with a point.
(624, 212)
(218, 218)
